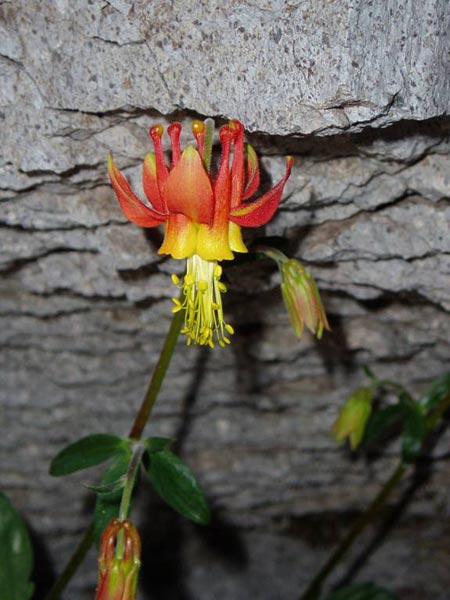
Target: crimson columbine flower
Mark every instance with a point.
(117, 578)
(203, 216)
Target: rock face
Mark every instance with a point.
(359, 92)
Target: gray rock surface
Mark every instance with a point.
(359, 93)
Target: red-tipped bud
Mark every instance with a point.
(117, 579)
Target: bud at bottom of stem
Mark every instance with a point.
(117, 579)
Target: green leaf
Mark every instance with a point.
(156, 444)
(16, 554)
(414, 430)
(87, 452)
(176, 484)
(438, 390)
(362, 591)
(382, 421)
(107, 505)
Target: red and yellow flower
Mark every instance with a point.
(202, 215)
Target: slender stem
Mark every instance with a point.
(313, 589)
(136, 432)
(75, 561)
(132, 471)
(158, 377)
(436, 415)
(131, 475)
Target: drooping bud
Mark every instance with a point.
(117, 579)
(300, 294)
(353, 417)
(302, 299)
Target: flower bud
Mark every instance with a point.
(117, 579)
(353, 417)
(302, 298)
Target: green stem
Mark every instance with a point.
(135, 433)
(132, 471)
(75, 561)
(313, 590)
(131, 475)
(158, 377)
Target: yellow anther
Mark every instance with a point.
(175, 279)
(178, 306)
(229, 328)
(204, 322)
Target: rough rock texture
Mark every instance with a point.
(359, 92)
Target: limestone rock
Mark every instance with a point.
(359, 93)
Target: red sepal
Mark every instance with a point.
(131, 205)
(255, 214)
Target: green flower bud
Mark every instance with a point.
(353, 417)
(300, 294)
(302, 299)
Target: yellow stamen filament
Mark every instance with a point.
(204, 322)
